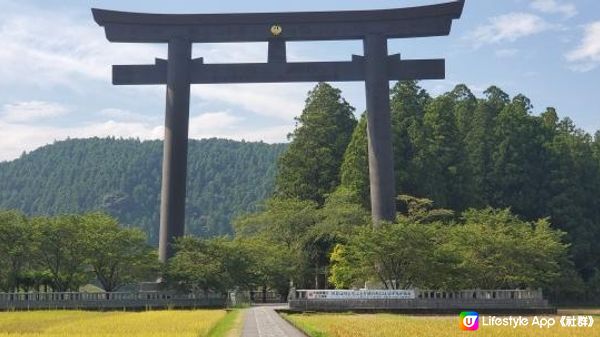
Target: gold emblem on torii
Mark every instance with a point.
(276, 30)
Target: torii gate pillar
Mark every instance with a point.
(379, 130)
(175, 152)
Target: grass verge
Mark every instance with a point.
(226, 325)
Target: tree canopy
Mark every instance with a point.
(487, 249)
(65, 252)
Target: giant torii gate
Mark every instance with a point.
(376, 68)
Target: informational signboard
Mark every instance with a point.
(360, 294)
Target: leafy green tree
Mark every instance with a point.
(204, 265)
(501, 251)
(63, 251)
(339, 217)
(397, 256)
(18, 244)
(272, 264)
(310, 168)
(382, 255)
(283, 221)
(491, 249)
(118, 256)
(347, 268)
(304, 233)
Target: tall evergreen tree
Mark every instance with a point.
(516, 174)
(570, 189)
(310, 168)
(479, 143)
(443, 155)
(408, 104)
(465, 105)
(355, 167)
(465, 112)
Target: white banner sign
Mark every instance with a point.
(360, 294)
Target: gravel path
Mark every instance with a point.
(263, 321)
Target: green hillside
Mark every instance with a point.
(122, 177)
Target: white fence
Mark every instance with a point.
(113, 300)
(409, 294)
(420, 301)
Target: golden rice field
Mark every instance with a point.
(196, 323)
(387, 325)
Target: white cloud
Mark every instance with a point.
(282, 102)
(225, 125)
(17, 137)
(251, 52)
(121, 115)
(47, 48)
(553, 6)
(32, 111)
(213, 124)
(272, 134)
(586, 56)
(509, 28)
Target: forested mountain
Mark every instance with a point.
(122, 177)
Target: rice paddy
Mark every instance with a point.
(387, 325)
(198, 323)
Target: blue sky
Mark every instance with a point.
(55, 73)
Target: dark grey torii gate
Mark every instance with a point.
(376, 68)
